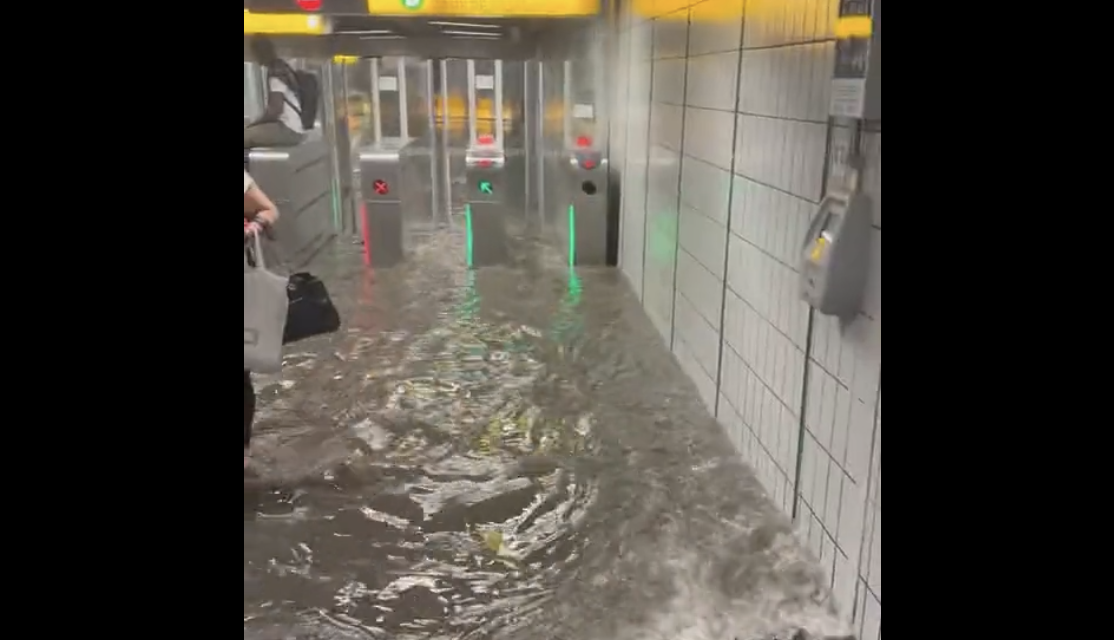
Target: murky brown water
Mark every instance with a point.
(510, 454)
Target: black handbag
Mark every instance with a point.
(311, 311)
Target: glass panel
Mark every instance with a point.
(359, 121)
(253, 91)
(388, 97)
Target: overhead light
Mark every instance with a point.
(472, 34)
(464, 25)
(368, 32)
(384, 37)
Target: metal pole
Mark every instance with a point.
(567, 134)
(447, 178)
(339, 225)
(376, 113)
(472, 137)
(403, 104)
(542, 142)
(499, 104)
(528, 135)
(432, 117)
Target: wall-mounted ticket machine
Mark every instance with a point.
(835, 257)
(836, 253)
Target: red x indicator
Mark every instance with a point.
(309, 5)
(381, 187)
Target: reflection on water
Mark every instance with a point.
(505, 454)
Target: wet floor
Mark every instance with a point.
(510, 454)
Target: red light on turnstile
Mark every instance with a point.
(487, 139)
(584, 142)
(367, 233)
(381, 187)
(484, 164)
(309, 5)
(589, 164)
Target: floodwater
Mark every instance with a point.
(510, 454)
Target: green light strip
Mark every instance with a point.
(469, 251)
(572, 235)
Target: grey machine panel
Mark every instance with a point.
(298, 181)
(486, 170)
(835, 256)
(382, 182)
(585, 230)
(857, 79)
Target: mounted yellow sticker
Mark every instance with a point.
(818, 250)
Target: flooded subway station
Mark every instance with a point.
(510, 437)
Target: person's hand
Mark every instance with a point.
(266, 218)
(252, 229)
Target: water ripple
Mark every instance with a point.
(509, 454)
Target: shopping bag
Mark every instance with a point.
(265, 307)
(312, 312)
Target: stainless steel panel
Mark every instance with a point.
(584, 228)
(383, 221)
(298, 180)
(253, 90)
(486, 212)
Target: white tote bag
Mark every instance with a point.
(265, 308)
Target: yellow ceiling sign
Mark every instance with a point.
(854, 27)
(484, 8)
(284, 23)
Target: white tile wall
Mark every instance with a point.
(730, 150)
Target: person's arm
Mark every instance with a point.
(258, 208)
(276, 103)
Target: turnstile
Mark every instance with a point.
(486, 211)
(383, 183)
(584, 230)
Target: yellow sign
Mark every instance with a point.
(818, 250)
(284, 23)
(854, 27)
(485, 8)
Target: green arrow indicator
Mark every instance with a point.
(486, 187)
(413, 5)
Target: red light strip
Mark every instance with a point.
(367, 235)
